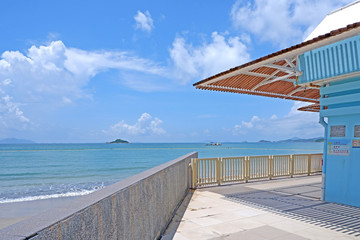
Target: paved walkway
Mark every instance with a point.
(278, 209)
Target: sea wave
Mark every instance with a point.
(49, 196)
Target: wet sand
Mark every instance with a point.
(11, 213)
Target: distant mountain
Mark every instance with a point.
(119, 141)
(296, 139)
(15, 141)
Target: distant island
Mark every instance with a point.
(118, 141)
(15, 141)
(296, 139)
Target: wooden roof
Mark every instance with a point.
(275, 75)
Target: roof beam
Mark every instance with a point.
(284, 78)
(290, 63)
(280, 67)
(263, 82)
(256, 74)
(296, 90)
(271, 78)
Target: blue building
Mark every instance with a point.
(324, 70)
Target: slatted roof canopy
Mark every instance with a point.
(275, 75)
(310, 108)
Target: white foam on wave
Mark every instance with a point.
(50, 196)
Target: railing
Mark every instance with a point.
(212, 171)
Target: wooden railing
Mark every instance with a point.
(212, 171)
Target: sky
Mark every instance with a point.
(94, 71)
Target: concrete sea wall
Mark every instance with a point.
(139, 207)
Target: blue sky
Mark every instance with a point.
(94, 71)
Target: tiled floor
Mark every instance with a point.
(277, 209)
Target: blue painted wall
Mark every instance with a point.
(336, 59)
(342, 183)
(340, 103)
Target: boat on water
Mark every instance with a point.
(213, 144)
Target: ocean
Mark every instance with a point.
(44, 171)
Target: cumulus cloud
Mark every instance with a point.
(58, 74)
(294, 124)
(60, 71)
(282, 22)
(144, 21)
(250, 124)
(145, 125)
(11, 115)
(201, 61)
(236, 130)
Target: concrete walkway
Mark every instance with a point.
(278, 209)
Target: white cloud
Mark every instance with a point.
(66, 100)
(273, 117)
(144, 21)
(56, 74)
(57, 70)
(145, 125)
(294, 124)
(143, 82)
(210, 58)
(236, 130)
(250, 124)
(282, 22)
(82, 62)
(11, 115)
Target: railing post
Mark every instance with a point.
(309, 164)
(218, 170)
(291, 165)
(247, 169)
(271, 167)
(244, 168)
(221, 171)
(194, 173)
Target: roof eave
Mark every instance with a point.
(296, 50)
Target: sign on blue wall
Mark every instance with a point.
(339, 147)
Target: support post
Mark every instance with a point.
(324, 159)
(309, 164)
(247, 169)
(271, 167)
(193, 173)
(218, 170)
(291, 165)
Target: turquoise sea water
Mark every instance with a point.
(41, 171)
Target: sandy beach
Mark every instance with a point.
(11, 213)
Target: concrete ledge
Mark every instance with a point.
(139, 207)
